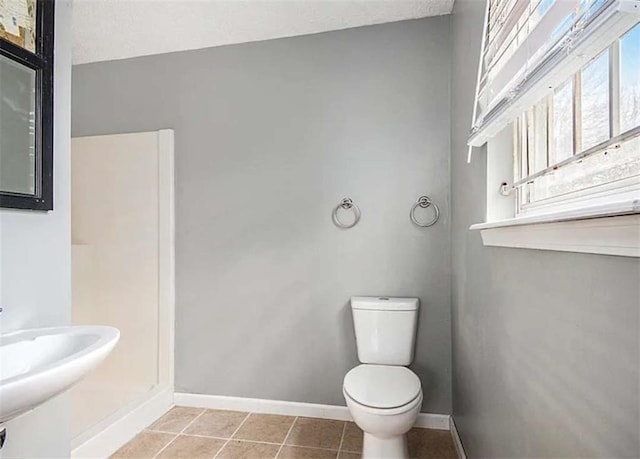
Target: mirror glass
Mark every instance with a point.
(17, 128)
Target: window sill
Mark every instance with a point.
(612, 229)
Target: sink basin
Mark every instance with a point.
(38, 364)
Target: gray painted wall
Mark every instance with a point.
(35, 268)
(269, 137)
(545, 344)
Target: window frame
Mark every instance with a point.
(41, 61)
(524, 151)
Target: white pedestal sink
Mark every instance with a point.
(38, 364)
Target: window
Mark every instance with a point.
(26, 104)
(558, 105)
(584, 137)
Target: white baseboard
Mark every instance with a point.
(456, 439)
(115, 431)
(312, 410)
(433, 421)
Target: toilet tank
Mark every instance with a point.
(385, 329)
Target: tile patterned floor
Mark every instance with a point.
(197, 433)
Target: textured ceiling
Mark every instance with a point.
(118, 29)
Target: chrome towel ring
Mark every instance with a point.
(424, 202)
(346, 204)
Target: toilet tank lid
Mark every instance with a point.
(384, 303)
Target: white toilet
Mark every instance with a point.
(383, 395)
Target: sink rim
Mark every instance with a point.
(105, 334)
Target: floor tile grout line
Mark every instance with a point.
(286, 436)
(234, 432)
(179, 433)
(184, 433)
(204, 410)
(167, 445)
(217, 438)
(309, 447)
(245, 440)
(344, 429)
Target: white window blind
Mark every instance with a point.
(532, 47)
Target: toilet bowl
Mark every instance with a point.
(384, 401)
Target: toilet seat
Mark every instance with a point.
(382, 387)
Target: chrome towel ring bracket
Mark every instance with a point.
(346, 204)
(424, 202)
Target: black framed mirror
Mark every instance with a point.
(26, 104)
